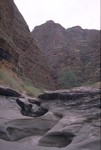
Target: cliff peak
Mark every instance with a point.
(72, 51)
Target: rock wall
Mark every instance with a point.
(18, 48)
(70, 49)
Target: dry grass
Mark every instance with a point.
(97, 85)
(10, 79)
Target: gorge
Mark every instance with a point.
(60, 70)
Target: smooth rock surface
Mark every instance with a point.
(71, 124)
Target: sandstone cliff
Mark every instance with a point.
(18, 50)
(52, 52)
(74, 49)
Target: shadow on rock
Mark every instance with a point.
(20, 128)
(56, 139)
(27, 110)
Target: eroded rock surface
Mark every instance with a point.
(73, 122)
(81, 109)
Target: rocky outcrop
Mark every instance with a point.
(74, 93)
(5, 91)
(81, 121)
(18, 50)
(73, 49)
(72, 123)
(15, 126)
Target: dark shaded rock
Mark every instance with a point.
(9, 92)
(56, 139)
(27, 110)
(39, 112)
(71, 94)
(49, 96)
(7, 53)
(34, 101)
(4, 55)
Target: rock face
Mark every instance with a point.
(18, 50)
(73, 122)
(73, 49)
(50, 52)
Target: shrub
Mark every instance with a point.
(30, 89)
(68, 79)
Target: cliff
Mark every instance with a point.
(51, 55)
(73, 50)
(18, 50)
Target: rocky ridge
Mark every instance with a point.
(73, 49)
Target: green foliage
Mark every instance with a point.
(69, 79)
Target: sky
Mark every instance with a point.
(68, 13)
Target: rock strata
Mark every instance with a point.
(73, 49)
(18, 50)
(81, 109)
